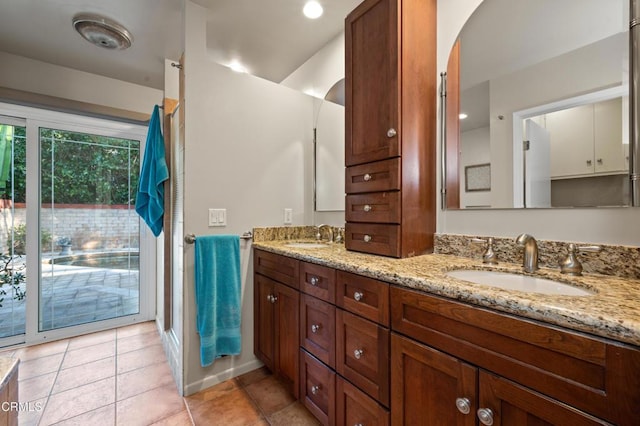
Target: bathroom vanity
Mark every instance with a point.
(397, 341)
(8, 391)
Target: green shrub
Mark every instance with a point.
(20, 238)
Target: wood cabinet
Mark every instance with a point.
(318, 388)
(318, 329)
(390, 127)
(354, 407)
(526, 372)
(276, 319)
(587, 140)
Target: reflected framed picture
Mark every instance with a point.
(477, 178)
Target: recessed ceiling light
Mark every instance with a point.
(462, 116)
(238, 67)
(312, 10)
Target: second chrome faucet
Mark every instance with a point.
(530, 255)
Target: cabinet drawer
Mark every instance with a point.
(280, 268)
(353, 407)
(373, 238)
(376, 207)
(373, 177)
(362, 354)
(318, 328)
(318, 281)
(363, 296)
(317, 388)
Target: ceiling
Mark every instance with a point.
(270, 37)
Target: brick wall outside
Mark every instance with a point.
(89, 227)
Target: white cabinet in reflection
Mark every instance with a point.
(587, 140)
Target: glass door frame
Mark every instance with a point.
(36, 119)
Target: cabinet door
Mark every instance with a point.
(371, 71)
(427, 385)
(263, 320)
(355, 408)
(317, 388)
(609, 153)
(571, 133)
(503, 402)
(287, 334)
(318, 328)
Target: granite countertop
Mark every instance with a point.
(612, 312)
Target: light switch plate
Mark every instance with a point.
(217, 217)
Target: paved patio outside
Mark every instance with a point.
(73, 295)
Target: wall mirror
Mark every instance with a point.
(537, 106)
(329, 151)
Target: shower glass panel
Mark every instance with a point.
(89, 230)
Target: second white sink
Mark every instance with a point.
(518, 282)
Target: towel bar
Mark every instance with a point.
(191, 238)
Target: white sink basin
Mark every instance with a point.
(308, 245)
(517, 282)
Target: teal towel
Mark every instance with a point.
(150, 198)
(217, 273)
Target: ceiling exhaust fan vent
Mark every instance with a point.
(102, 32)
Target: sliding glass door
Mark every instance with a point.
(74, 257)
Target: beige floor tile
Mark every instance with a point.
(141, 358)
(181, 419)
(76, 401)
(270, 395)
(103, 416)
(132, 330)
(252, 376)
(36, 387)
(149, 407)
(84, 374)
(213, 392)
(142, 380)
(138, 341)
(294, 414)
(31, 416)
(42, 350)
(232, 409)
(76, 357)
(91, 339)
(40, 366)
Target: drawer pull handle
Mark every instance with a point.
(464, 405)
(367, 177)
(367, 208)
(358, 353)
(315, 328)
(391, 132)
(314, 281)
(358, 296)
(315, 389)
(485, 415)
(271, 298)
(367, 238)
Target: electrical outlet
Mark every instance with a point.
(288, 216)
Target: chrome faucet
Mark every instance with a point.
(530, 256)
(330, 233)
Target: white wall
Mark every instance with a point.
(26, 74)
(613, 226)
(248, 144)
(475, 149)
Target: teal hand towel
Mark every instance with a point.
(218, 288)
(150, 197)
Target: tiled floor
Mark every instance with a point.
(121, 377)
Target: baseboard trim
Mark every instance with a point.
(220, 377)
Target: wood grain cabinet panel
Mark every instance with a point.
(362, 354)
(373, 238)
(373, 177)
(277, 267)
(377, 207)
(318, 329)
(363, 296)
(354, 407)
(317, 388)
(318, 281)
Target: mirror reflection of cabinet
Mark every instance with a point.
(587, 140)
